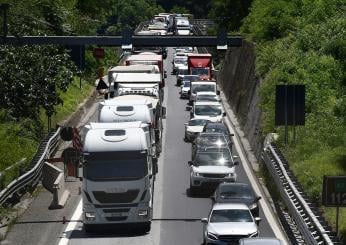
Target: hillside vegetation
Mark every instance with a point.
(304, 42)
(41, 81)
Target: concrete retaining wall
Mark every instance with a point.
(240, 84)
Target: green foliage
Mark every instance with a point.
(270, 19)
(229, 14)
(303, 42)
(30, 77)
(179, 9)
(126, 14)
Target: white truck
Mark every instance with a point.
(130, 108)
(143, 86)
(202, 86)
(118, 176)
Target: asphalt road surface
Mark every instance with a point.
(176, 214)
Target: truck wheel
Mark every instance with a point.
(147, 227)
(88, 228)
(193, 190)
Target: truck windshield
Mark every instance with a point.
(106, 166)
(200, 71)
(208, 110)
(203, 88)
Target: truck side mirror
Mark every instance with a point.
(224, 114)
(164, 111)
(155, 167)
(190, 163)
(204, 220)
(80, 173)
(257, 220)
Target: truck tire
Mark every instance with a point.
(147, 227)
(88, 229)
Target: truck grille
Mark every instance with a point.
(126, 197)
(214, 175)
(116, 218)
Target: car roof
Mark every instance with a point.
(221, 206)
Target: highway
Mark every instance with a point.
(176, 214)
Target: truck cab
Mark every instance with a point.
(118, 176)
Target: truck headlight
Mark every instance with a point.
(89, 216)
(196, 174)
(143, 212)
(212, 236)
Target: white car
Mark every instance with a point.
(194, 127)
(211, 111)
(207, 96)
(210, 167)
(185, 89)
(228, 223)
(180, 59)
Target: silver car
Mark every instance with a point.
(228, 223)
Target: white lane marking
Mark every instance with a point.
(71, 225)
(273, 222)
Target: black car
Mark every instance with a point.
(237, 193)
(218, 127)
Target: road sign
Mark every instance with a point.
(334, 191)
(290, 105)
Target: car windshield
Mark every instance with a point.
(183, 71)
(186, 83)
(105, 166)
(208, 110)
(211, 140)
(179, 60)
(206, 97)
(191, 78)
(216, 130)
(222, 158)
(200, 71)
(230, 215)
(203, 88)
(197, 122)
(235, 191)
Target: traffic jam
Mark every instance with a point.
(121, 150)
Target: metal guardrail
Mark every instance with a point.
(33, 175)
(308, 218)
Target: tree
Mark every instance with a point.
(229, 13)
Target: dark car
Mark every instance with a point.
(210, 140)
(237, 193)
(217, 127)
